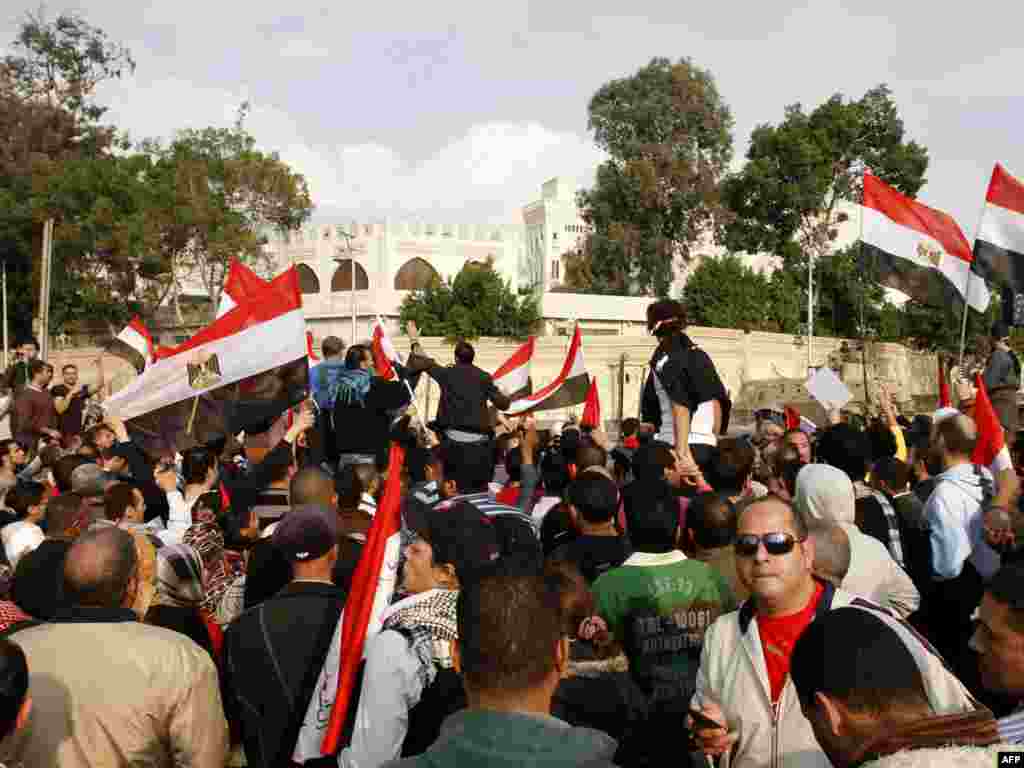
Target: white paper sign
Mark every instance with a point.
(828, 389)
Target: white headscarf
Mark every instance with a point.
(20, 538)
(824, 492)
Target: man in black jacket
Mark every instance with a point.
(463, 419)
(273, 653)
(364, 407)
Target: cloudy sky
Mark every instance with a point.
(458, 111)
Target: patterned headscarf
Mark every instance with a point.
(208, 540)
(427, 620)
(179, 576)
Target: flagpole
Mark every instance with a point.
(967, 291)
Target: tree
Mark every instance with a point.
(667, 132)
(216, 194)
(723, 292)
(477, 302)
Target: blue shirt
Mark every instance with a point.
(323, 382)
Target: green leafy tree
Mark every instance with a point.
(725, 293)
(477, 302)
(800, 179)
(667, 132)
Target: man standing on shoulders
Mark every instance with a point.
(274, 652)
(159, 701)
(684, 397)
(463, 419)
(510, 669)
(34, 416)
(323, 386)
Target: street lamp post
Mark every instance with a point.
(339, 259)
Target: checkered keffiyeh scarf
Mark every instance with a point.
(208, 540)
(895, 541)
(428, 622)
(179, 576)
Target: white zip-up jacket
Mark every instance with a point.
(733, 674)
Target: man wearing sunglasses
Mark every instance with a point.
(743, 682)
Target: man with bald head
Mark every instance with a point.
(831, 552)
(108, 689)
(744, 666)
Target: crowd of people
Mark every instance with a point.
(688, 594)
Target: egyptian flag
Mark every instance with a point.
(591, 407)
(990, 450)
(260, 343)
(240, 285)
(133, 344)
(794, 420)
(918, 250)
(513, 377)
(373, 586)
(999, 247)
(384, 353)
(569, 387)
(310, 353)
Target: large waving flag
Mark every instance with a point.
(266, 331)
(240, 285)
(990, 450)
(373, 586)
(999, 247)
(513, 377)
(918, 250)
(569, 387)
(133, 344)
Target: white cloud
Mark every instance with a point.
(302, 49)
(486, 175)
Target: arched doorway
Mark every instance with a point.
(342, 280)
(308, 281)
(415, 275)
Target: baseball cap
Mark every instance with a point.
(460, 534)
(306, 533)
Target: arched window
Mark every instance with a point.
(415, 275)
(308, 281)
(342, 280)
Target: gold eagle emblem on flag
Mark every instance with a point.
(930, 253)
(204, 371)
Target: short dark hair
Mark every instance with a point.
(464, 352)
(62, 469)
(590, 454)
(63, 512)
(13, 685)
(311, 485)
(68, 365)
(731, 470)
(893, 472)
(629, 426)
(845, 448)
(196, 464)
(98, 567)
(116, 499)
(712, 518)
(652, 519)
(35, 366)
(499, 651)
(594, 496)
(470, 475)
(332, 346)
(29, 340)
(355, 356)
(958, 433)
(1007, 588)
(25, 494)
(799, 524)
(652, 459)
(353, 481)
(555, 473)
(878, 674)
(882, 441)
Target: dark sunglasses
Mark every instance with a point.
(774, 543)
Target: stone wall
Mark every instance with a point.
(759, 369)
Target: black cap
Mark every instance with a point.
(460, 534)
(306, 533)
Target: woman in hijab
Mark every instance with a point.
(221, 601)
(179, 594)
(825, 493)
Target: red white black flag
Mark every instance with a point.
(999, 247)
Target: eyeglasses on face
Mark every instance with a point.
(775, 543)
